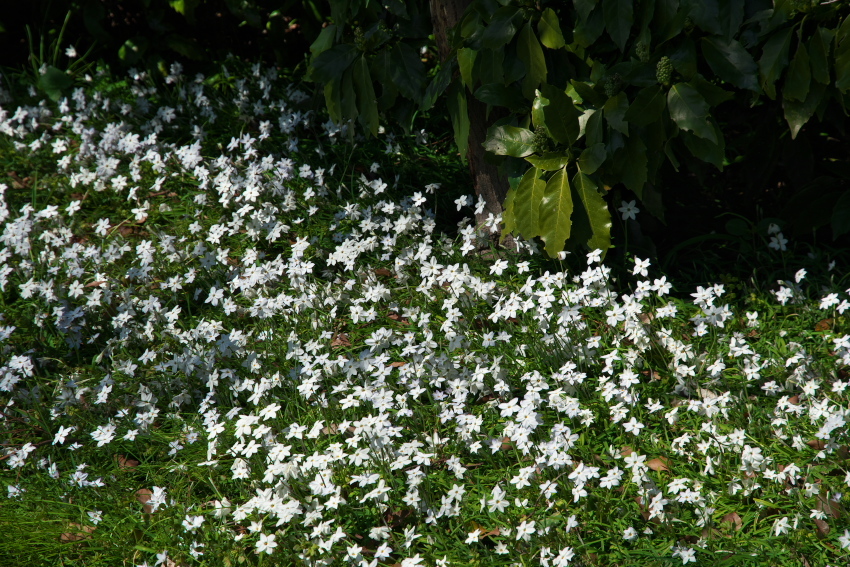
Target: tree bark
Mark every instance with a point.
(488, 183)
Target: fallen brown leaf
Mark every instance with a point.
(341, 339)
(383, 272)
(659, 464)
(824, 325)
(822, 528)
(125, 463)
(143, 495)
(733, 518)
(80, 532)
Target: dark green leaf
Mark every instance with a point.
(731, 62)
(842, 70)
(490, 66)
(407, 71)
(348, 101)
(647, 106)
(798, 113)
(730, 16)
(550, 161)
(466, 61)
(597, 211)
(550, 30)
(588, 94)
(619, 17)
(706, 16)
(526, 203)
(367, 104)
(615, 112)
(438, 86)
(531, 54)
(634, 165)
(509, 141)
(584, 7)
(397, 8)
(538, 118)
(587, 31)
(556, 209)
(712, 94)
(509, 225)
(561, 115)
(591, 158)
(689, 111)
(684, 58)
(841, 216)
(819, 45)
(498, 94)
(332, 63)
(799, 76)
(593, 129)
(773, 60)
(706, 150)
(54, 81)
(456, 100)
(502, 27)
(324, 41)
(133, 50)
(333, 100)
(185, 46)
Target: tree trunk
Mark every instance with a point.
(489, 184)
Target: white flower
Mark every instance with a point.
(71, 52)
(629, 210)
(266, 544)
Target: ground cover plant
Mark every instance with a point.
(234, 334)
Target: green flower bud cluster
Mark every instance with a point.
(642, 51)
(664, 71)
(541, 143)
(613, 85)
(359, 39)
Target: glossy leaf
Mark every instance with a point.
(818, 49)
(615, 112)
(706, 150)
(509, 141)
(713, 94)
(689, 111)
(798, 113)
(647, 106)
(466, 61)
(556, 209)
(635, 165)
(509, 214)
(549, 29)
(490, 66)
(584, 7)
(538, 118)
(588, 95)
(502, 27)
(799, 76)
(774, 60)
(438, 85)
(531, 54)
(460, 118)
(597, 211)
(731, 62)
(587, 31)
(332, 63)
(550, 161)
(367, 104)
(324, 41)
(591, 158)
(730, 17)
(526, 204)
(407, 71)
(53, 81)
(333, 101)
(561, 115)
(706, 15)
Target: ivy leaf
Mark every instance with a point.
(556, 208)
(591, 158)
(550, 161)
(526, 203)
(798, 113)
(731, 62)
(615, 112)
(509, 141)
(531, 54)
(549, 29)
(332, 63)
(366, 102)
(773, 60)
(407, 71)
(619, 16)
(502, 27)
(689, 111)
(561, 115)
(799, 76)
(647, 106)
(597, 212)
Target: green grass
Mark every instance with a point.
(341, 364)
